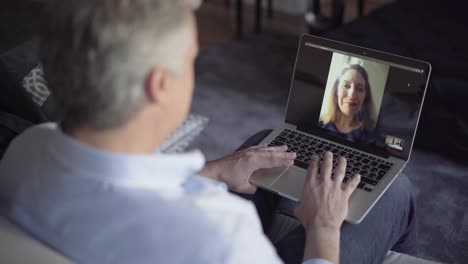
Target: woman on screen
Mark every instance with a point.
(349, 106)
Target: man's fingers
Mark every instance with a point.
(275, 148)
(268, 148)
(297, 210)
(251, 189)
(351, 185)
(312, 170)
(339, 171)
(327, 167)
(284, 155)
(284, 163)
(270, 159)
(255, 147)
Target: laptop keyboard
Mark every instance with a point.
(370, 168)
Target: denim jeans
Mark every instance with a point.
(390, 225)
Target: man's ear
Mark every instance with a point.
(156, 87)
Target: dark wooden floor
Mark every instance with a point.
(216, 23)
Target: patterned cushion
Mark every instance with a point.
(35, 84)
(21, 64)
(185, 134)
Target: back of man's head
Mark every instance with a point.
(97, 55)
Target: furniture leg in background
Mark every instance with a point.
(258, 15)
(360, 8)
(319, 23)
(239, 18)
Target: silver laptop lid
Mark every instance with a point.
(363, 98)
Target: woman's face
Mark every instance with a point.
(351, 92)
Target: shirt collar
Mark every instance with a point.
(155, 171)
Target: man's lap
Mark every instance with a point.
(383, 229)
(389, 225)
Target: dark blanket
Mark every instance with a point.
(433, 31)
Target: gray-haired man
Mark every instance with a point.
(96, 189)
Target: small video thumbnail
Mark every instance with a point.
(394, 143)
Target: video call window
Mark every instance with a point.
(353, 97)
(394, 143)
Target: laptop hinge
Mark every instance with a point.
(290, 126)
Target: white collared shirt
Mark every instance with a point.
(100, 207)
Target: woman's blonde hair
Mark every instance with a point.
(332, 113)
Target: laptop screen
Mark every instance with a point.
(359, 97)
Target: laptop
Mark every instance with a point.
(357, 103)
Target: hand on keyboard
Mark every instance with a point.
(324, 205)
(371, 169)
(235, 170)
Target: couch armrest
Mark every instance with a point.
(18, 247)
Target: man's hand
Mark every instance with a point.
(235, 170)
(324, 206)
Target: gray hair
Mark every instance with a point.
(97, 55)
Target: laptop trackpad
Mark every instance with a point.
(291, 183)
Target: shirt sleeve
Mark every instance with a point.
(238, 222)
(249, 243)
(316, 261)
